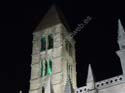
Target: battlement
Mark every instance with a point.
(103, 84)
(109, 82)
(83, 89)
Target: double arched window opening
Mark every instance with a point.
(46, 67)
(47, 42)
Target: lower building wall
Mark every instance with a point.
(94, 91)
(114, 89)
(58, 88)
(35, 91)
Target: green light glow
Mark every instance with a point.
(50, 67)
(42, 69)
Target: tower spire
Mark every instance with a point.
(121, 31)
(121, 41)
(90, 78)
(90, 74)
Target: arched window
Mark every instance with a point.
(46, 68)
(69, 48)
(50, 67)
(42, 68)
(50, 41)
(67, 45)
(43, 90)
(43, 43)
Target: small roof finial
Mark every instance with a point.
(121, 31)
(90, 74)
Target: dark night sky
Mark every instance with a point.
(89, 41)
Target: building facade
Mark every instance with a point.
(53, 68)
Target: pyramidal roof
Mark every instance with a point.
(52, 17)
(90, 74)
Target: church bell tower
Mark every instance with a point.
(53, 66)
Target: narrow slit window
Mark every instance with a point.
(43, 90)
(43, 43)
(50, 41)
(46, 68)
(70, 50)
(67, 45)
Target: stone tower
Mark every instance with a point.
(53, 68)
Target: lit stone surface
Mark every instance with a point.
(36, 47)
(58, 88)
(35, 91)
(68, 87)
(57, 65)
(93, 91)
(43, 54)
(34, 86)
(37, 35)
(35, 71)
(57, 78)
(57, 52)
(58, 38)
(91, 85)
(57, 44)
(48, 54)
(35, 59)
(114, 89)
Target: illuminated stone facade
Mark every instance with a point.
(53, 68)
